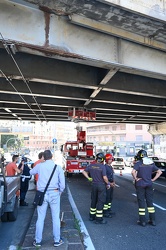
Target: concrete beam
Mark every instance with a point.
(117, 32)
(154, 9)
(55, 36)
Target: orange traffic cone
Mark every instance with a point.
(121, 173)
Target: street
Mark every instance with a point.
(122, 232)
(13, 233)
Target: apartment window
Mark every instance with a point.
(122, 138)
(113, 138)
(138, 127)
(122, 126)
(114, 128)
(139, 138)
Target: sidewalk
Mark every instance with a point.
(69, 233)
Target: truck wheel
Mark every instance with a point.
(12, 216)
(4, 217)
(69, 174)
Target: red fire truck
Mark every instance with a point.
(77, 154)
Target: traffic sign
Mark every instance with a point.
(54, 140)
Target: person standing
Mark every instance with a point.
(142, 174)
(41, 159)
(11, 168)
(109, 192)
(99, 180)
(51, 197)
(24, 180)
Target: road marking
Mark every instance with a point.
(162, 208)
(87, 239)
(159, 184)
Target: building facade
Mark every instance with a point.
(121, 139)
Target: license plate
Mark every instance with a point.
(77, 171)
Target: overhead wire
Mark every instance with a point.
(9, 81)
(23, 78)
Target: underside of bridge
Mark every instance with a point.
(94, 55)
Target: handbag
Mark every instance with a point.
(39, 196)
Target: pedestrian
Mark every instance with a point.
(142, 174)
(24, 180)
(11, 168)
(97, 172)
(109, 192)
(51, 198)
(40, 159)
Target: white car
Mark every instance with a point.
(118, 163)
(129, 161)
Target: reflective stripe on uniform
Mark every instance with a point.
(109, 205)
(141, 211)
(92, 210)
(105, 207)
(99, 213)
(151, 210)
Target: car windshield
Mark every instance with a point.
(160, 164)
(118, 159)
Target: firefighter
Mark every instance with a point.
(142, 174)
(109, 192)
(97, 173)
(25, 178)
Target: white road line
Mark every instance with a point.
(162, 208)
(159, 184)
(87, 239)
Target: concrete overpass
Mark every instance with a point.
(104, 55)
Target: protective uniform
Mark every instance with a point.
(25, 177)
(98, 194)
(109, 192)
(144, 167)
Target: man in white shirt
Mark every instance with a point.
(52, 197)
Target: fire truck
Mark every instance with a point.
(77, 155)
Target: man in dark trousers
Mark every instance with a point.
(142, 174)
(25, 178)
(109, 192)
(99, 180)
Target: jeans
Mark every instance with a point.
(52, 198)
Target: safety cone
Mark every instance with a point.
(121, 173)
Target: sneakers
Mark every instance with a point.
(57, 244)
(36, 244)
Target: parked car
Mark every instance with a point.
(153, 158)
(129, 161)
(118, 163)
(162, 166)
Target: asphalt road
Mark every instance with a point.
(13, 233)
(122, 232)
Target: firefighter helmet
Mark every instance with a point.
(141, 154)
(100, 157)
(109, 157)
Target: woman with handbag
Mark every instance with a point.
(52, 184)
